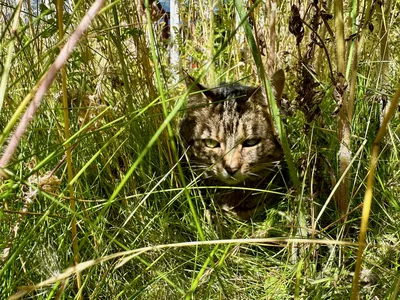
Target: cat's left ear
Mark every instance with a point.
(278, 83)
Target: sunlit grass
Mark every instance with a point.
(146, 226)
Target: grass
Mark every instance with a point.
(146, 227)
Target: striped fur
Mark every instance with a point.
(231, 141)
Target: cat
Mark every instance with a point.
(231, 141)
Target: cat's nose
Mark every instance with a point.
(231, 170)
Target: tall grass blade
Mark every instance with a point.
(47, 81)
(271, 101)
(10, 51)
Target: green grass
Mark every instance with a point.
(138, 206)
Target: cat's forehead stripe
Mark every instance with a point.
(235, 113)
(230, 116)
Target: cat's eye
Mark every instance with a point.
(210, 143)
(251, 142)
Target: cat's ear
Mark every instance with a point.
(199, 94)
(191, 83)
(278, 83)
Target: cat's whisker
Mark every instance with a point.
(199, 167)
(254, 174)
(275, 162)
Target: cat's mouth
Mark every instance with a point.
(240, 177)
(232, 179)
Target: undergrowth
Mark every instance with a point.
(137, 206)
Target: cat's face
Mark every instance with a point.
(230, 134)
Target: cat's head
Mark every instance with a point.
(229, 131)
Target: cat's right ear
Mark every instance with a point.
(192, 85)
(199, 94)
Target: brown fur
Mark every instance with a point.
(231, 141)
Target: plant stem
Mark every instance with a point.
(344, 130)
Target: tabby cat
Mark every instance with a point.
(231, 141)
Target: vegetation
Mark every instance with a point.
(98, 182)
